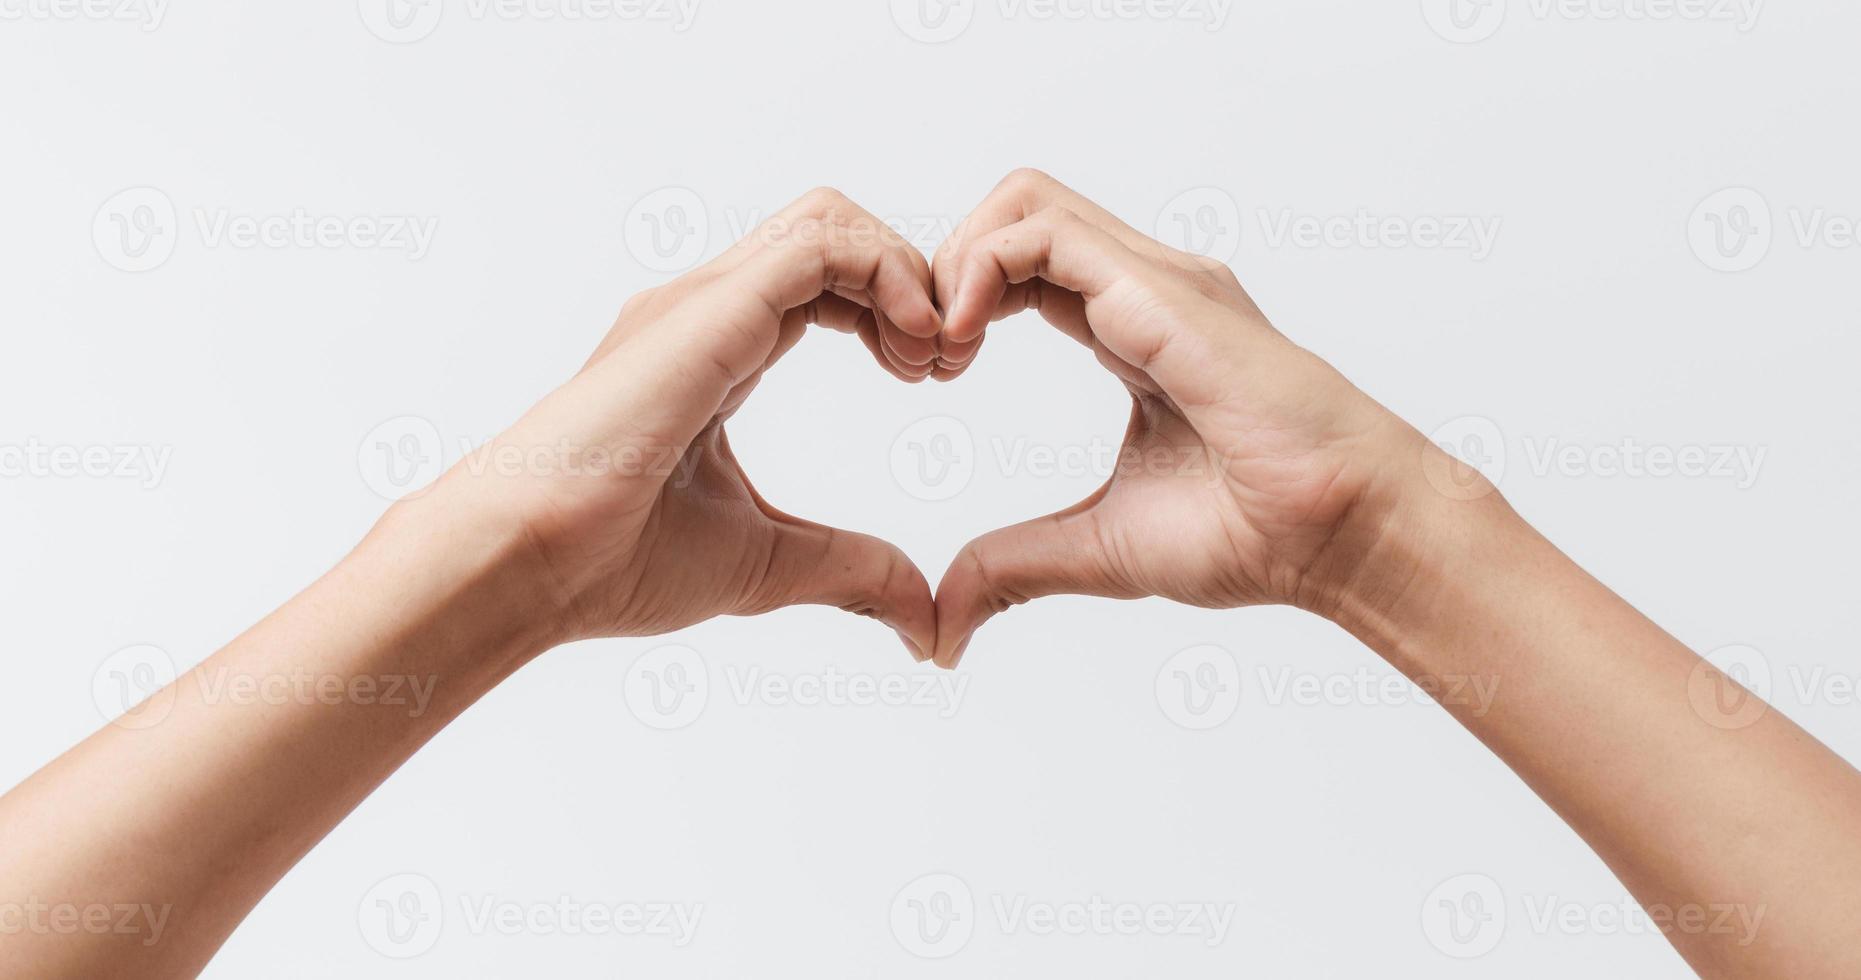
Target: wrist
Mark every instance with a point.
(1424, 529)
(470, 566)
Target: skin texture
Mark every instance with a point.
(1256, 474)
(1701, 799)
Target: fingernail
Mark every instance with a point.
(916, 654)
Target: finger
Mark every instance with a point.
(828, 218)
(1019, 196)
(905, 351)
(1060, 554)
(851, 315)
(811, 564)
(738, 322)
(951, 370)
(1143, 315)
(891, 340)
(817, 258)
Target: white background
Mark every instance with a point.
(1601, 315)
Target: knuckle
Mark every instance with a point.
(1056, 215)
(996, 591)
(824, 200)
(1026, 180)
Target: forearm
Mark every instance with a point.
(193, 810)
(1698, 805)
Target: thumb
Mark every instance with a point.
(1060, 554)
(812, 564)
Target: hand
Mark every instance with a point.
(1250, 470)
(621, 484)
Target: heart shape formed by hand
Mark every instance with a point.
(1241, 460)
(1243, 478)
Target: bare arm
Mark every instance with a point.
(1279, 482)
(1713, 809)
(568, 526)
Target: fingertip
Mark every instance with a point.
(924, 323)
(912, 647)
(913, 611)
